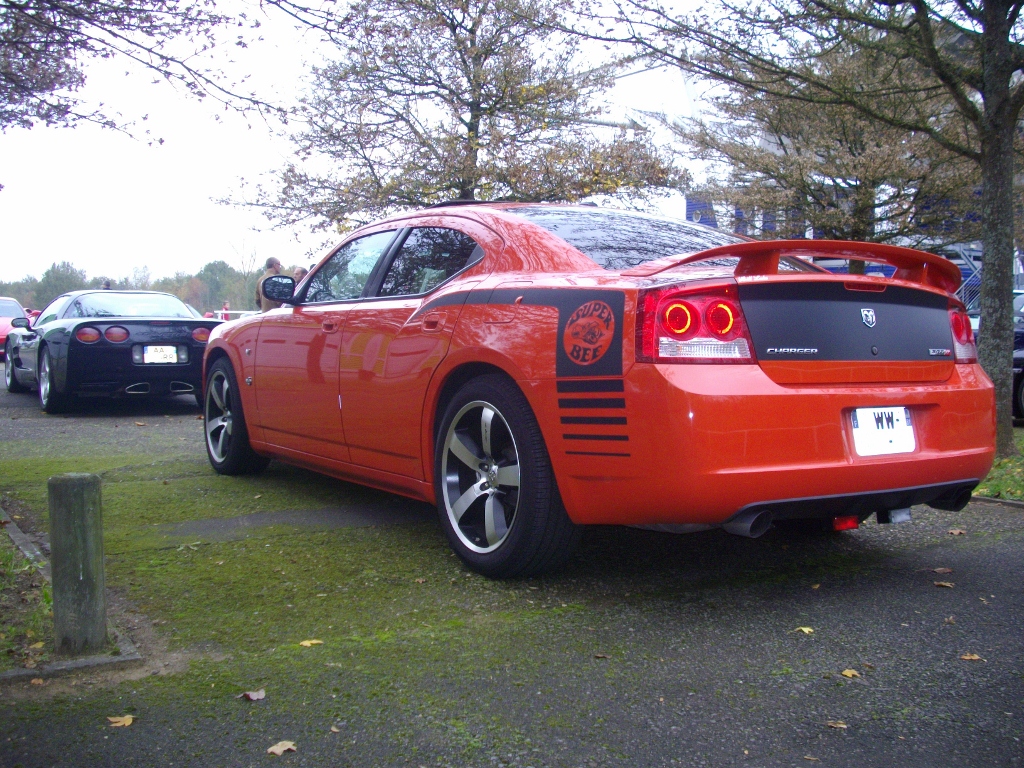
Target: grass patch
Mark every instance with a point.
(26, 615)
(1006, 480)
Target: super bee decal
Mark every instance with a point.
(589, 333)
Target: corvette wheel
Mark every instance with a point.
(1018, 397)
(50, 400)
(227, 439)
(497, 496)
(10, 377)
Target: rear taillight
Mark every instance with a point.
(691, 325)
(964, 348)
(87, 335)
(116, 333)
(202, 335)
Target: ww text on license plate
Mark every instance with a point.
(881, 431)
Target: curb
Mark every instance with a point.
(125, 655)
(1005, 502)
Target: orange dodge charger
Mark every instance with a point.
(535, 368)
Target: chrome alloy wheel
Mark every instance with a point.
(8, 368)
(480, 472)
(218, 416)
(44, 378)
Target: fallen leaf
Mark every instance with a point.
(253, 695)
(121, 722)
(850, 673)
(942, 570)
(836, 724)
(40, 644)
(322, 594)
(946, 584)
(199, 417)
(257, 495)
(30, 664)
(421, 581)
(311, 643)
(971, 657)
(29, 633)
(805, 630)
(814, 759)
(815, 586)
(957, 532)
(219, 562)
(601, 656)
(38, 681)
(335, 729)
(950, 620)
(281, 747)
(140, 423)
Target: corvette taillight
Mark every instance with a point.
(702, 324)
(964, 348)
(202, 335)
(116, 333)
(87, 335)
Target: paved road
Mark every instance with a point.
(679, 651)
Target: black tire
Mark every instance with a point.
(1018, 397)
(10, 376)
(50, 400)
(227, 439)
(512, 521)
(199, 400)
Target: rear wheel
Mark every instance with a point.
(227, 439)
(10, 377)
(50, 400)
(497, 496)
(1018, 397)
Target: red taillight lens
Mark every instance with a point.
(202, 335)
(116, 333)
(702, 324)
(87, 335)
(964, 348)
(845, 523)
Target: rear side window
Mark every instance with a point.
(344, 275)
(623, 239)
(9, 308)
(428, 257)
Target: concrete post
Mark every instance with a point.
(76, 561)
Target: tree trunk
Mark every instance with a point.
(995, 351)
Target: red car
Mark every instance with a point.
(9, 309)
(535, 368)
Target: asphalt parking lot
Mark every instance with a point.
(647, 650)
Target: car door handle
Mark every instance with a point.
(330, 324)
(433, 322)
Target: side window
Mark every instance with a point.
(51, 311)
(429, 256)
(344, 275)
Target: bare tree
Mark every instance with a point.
(947, 69)
(45, 43)
(430, 100)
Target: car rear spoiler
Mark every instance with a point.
(762, 258)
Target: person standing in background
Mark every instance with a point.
(299, 273)
(265, 304)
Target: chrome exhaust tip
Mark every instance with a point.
(181, 388)
(138, 389)
(750, 523)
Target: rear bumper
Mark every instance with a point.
(117, 376)
(699, 443)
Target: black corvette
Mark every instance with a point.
(107, 344)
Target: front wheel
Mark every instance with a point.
(1018, 397)
(50, 400)
(10, 377)
(497, 496)
(227, 439)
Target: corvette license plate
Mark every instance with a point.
(152, 354)
(881, 431)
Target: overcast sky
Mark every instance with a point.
(110, 203)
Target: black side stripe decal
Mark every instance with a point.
(599, 385)
(614, 438)
(591, 402)
(593, 419)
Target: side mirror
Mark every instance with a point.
(20, 322)
(278, 288)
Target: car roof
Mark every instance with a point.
(101, 290)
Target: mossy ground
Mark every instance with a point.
(1006, 480)
(26, 616)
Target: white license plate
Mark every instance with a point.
(881, 431)
(159, 354)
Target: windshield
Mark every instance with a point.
(10, 308)
(113, 304)
(624, 239)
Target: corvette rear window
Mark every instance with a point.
(10, 308)
(110, 304)
(624, 239)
